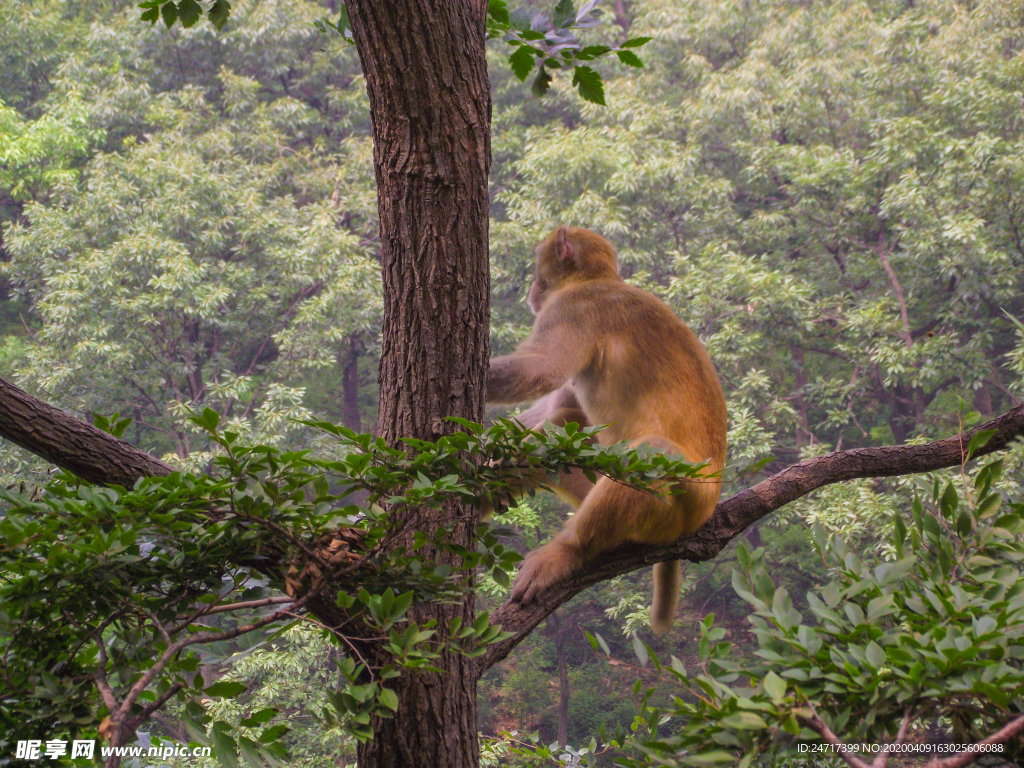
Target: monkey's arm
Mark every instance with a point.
(552, 355)
(557, 350)
(523, 376)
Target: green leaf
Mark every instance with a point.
(169, 12)
(151, 12)
(636, 42)
(209, 419)
(775, 687)
(101, 422)
(978, 441)
(640, 650)
(564, 14)
(388, 698)
(949, 500)
(743, 721)
(219, 13)
(260, 717)
(541, 82)
(679, 667)
(791, 725)
(251, 752)
(900, 529)
(629, 58)
(225, 688)
(344, 26)
(273, 733)
(522, 62)
(989, 506)
(875, 655)
(224, 746)
(590, 85)
(189, 11)
(498, 11)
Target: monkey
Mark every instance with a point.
(604, 352)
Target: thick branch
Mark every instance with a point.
(1013, 728)
(72, 444)
(737, 512)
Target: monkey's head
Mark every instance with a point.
(568, 255)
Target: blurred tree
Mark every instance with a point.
(204, 266)
(218, 255)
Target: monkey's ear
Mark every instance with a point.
(563, 245)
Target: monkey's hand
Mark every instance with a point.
(542, 568)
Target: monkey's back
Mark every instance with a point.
(648, 373)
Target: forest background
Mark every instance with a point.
(831, 195)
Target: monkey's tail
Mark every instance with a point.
(666, 596)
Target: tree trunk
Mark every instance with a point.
(563, 689)
(803, 430)
(426, 77)
(350, 386)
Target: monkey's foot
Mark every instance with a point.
(542, 568)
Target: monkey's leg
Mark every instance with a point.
(610, 515)
(573, 486)
(546, 407)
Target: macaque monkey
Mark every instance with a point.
(604, 352)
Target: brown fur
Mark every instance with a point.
(613, 354)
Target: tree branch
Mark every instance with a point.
(734, 514)
(817, 724)
(1007, 732)
(71, 444)
(907, 336)
(883, 759)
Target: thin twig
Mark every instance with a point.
(883, 759)
(818, 725)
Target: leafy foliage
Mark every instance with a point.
(540, 39)
(186, 11)
(933, 636)
(135, 578)
(548, 42)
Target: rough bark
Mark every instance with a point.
(426, 77)
(734, 514)
(71, 444)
